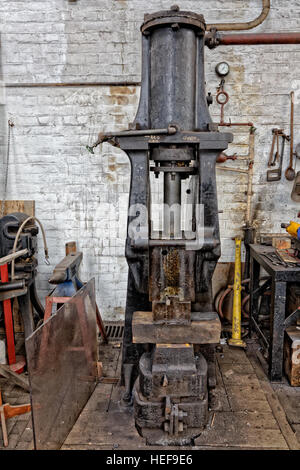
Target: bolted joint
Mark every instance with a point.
(212, 39)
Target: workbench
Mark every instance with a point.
(280, 276)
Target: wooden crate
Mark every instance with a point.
(292, 355)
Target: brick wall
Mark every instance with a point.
(83, 197)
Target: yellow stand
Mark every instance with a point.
(236, 339)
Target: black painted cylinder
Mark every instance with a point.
(176, 80)
(173, 78)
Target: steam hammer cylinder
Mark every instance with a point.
(176, 60)
(169, 76)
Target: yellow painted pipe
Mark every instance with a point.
(236, 339)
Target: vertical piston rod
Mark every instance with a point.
(172, 205)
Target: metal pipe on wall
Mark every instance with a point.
(257, 39)
(266, 5)
(70, 84)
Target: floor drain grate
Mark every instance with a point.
(114, 330)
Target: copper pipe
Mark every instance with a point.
(224, 295)
(266, 5)
(71, 84)
(239, 124)
(257, 39)
(250, 179)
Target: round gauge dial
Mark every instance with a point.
(222, 69)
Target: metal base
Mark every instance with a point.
(153, 424)
(238, 343)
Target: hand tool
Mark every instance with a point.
(275, 175)
(290, 172)
(273, 158)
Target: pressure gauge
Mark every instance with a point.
(222, 69)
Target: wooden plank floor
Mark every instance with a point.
(246, 411)
(242, 415)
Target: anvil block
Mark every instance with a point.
(205, 328)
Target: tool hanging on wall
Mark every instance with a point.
(290, 173)
(275, 174)
(273, 158)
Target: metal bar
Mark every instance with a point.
(258, 39)
(291, 318)
(109, 136)
(101, 325)
(225, 168)
(8, 286)
(17, 379)
(8, 258)
(132, 133)
(260, 333)
(254, 285)
(70, 84)
(250, 179)
(9, 326)
(53, 300)
(237, 124)
(277, 330)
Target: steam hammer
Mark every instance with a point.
(170, 324)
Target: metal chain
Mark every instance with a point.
(10, 126)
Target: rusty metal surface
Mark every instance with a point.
(174, 17)
(62, 366)
(172, 273)
(258, 39)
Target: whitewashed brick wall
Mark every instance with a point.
(83, 197)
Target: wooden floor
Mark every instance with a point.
(247, 412)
